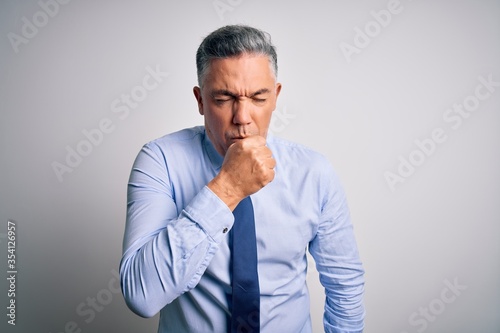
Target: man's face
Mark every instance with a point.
(237, 99)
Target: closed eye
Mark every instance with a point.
(222, 100)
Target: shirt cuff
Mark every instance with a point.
(211, 214)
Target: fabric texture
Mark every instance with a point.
(176, 251)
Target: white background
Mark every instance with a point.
(438, 225)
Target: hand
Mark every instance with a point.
(248, 166)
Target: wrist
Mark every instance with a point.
(225, 191)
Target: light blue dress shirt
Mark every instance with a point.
(176, 254)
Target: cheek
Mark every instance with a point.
(265, 117)
(216, 126)
(215, 122)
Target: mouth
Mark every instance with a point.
(236, 138)
(239, 135)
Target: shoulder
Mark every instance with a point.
(188, 138)
(304, 170)
(185, 142)
(292, 153)
(184, 135)
(304, 166)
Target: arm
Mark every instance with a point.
(337, 260)
(166, 253)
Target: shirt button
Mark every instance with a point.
(224, 230)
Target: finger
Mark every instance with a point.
(273, 164)
(256, 140)
(265, 151)
(270, 163)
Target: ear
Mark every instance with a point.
(199, 100)
(278, 90)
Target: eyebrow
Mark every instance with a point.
(226, 92)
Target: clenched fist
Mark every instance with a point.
(248, 166)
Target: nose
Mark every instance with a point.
(242, 112)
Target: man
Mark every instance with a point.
(181, 255)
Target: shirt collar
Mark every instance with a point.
(212, 153)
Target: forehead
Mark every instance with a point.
(247, 71)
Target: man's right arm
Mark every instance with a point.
(166, 253)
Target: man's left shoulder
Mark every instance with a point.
(295, 153)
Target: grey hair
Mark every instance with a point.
(232, 41)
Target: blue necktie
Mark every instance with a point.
(245, 316)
